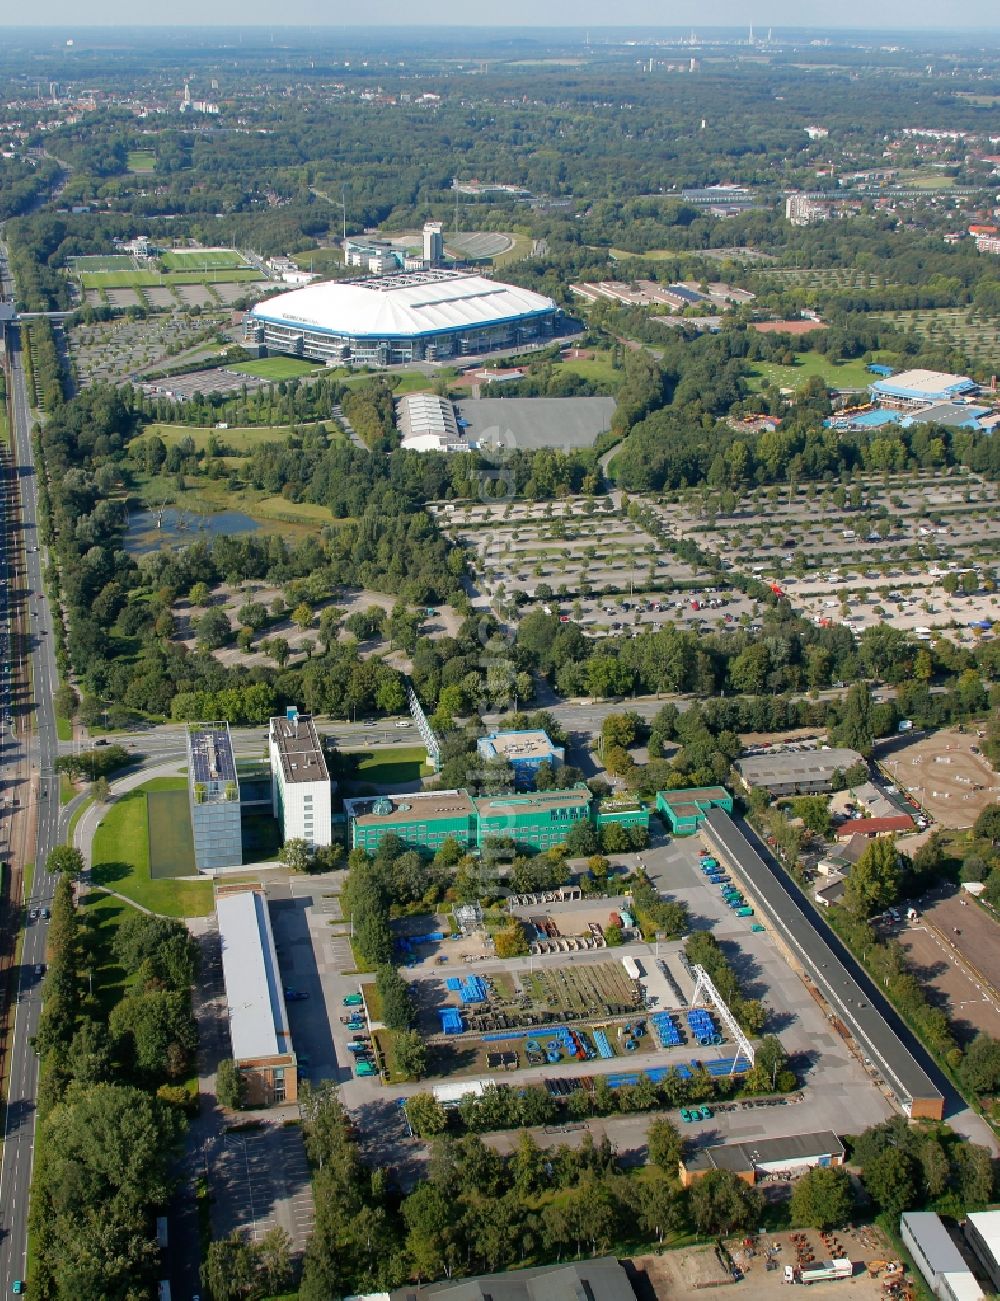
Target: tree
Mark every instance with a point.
(296, 855)
(822, 1198)
(664, 1146)
(213, 629)
(771, 1058)
(230, 1271)
(394, 992)
(100, 790)
(230, 1086)
(410, 1054)
(987, 825)
(302, 615)
(814, 812)
(252, 615)
(65, 858)
(980, 1069)
(855, 729)
(156, 1029)
(426, 1115)
(892, 1180)
(874, 881)
(274, 1262)
(721, 1202)
(198, 594)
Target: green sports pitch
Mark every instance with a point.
(201, 259)
(101, 262)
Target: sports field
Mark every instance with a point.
(153, 279)
(171, 844)
(833, 372)
(201, 259)
(240, 440)
(101, 262)
(276, 368)
(141, 160)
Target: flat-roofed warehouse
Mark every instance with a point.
(764, 1156)
(394, 320)
(530, 424)
(802, 772)
(873, 1025)
(258, 1020)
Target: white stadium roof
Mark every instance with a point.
(418, 303)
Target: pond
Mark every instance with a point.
(149, 530)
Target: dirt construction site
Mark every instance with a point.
(744, 1261)
(947, 775)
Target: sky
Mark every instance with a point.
(886, 15)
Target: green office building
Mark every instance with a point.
(685, 810)
(423, 820)
(620, 812)
(533, 820)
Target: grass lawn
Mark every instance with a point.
(598, 368)
(243, 439)
(156, 279)
(835, 374)
(521, 249)
(121, 858)
(387, 767)
(300, 512)
(141, 160)
(276, 368)
(653, 255)
(64, 729)
(3, 423)
(213, 259)
(67, 790)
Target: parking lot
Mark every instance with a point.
(550, 560)
(261, 1181)
(917, 551)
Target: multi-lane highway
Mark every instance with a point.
(30, 747)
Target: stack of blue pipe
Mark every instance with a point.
(665, 1029)
(603, 1047)
(702, 1027)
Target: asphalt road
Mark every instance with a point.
(41, 749)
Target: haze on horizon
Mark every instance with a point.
(899, 16)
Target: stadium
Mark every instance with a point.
(388, 320)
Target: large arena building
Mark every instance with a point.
(388, 320)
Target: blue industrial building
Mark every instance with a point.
(525, 751)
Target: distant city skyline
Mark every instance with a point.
(900, 16)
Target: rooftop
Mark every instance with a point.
(987, 1225)
(780, 767)
(873, 1024)
(603, 1279)
(924, 383)
(533, 423)
(529, 744)
(299, 749)
(402, 306)
(765, 1151)
(935, 1241)
(258, 1023)
(211, 760)
(401, 810)
(682, 799)
(875, 826)
(494, 806)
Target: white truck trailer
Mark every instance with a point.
(820, 1272)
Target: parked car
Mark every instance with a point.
(353, 1000)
